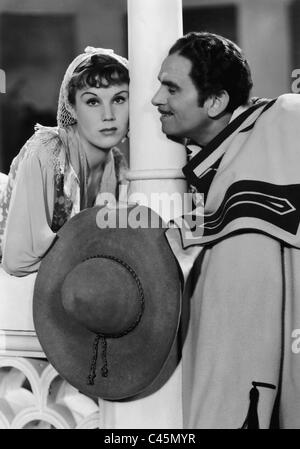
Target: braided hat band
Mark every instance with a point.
(65, 111)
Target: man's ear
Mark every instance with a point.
(217, 104)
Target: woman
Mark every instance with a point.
(65, 169)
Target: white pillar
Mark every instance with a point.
(155, 162)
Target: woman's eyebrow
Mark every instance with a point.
(88, 93)
(122, 91)
(93, 93)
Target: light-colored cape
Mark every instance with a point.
(245, 304)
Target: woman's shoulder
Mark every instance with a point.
(45, 145)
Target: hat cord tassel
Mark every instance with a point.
(104, 369)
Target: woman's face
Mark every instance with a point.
(102, 114)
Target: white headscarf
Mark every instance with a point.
(65, 111)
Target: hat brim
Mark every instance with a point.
(136, 360)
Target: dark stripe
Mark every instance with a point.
(248, 128)
(244, 130)
(216, 142)
(203, 183)
(236, 204)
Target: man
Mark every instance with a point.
(241, 367)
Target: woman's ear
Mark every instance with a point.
(73, 112)
(217, 104)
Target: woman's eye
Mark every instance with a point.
(92, 102)
(119, 100)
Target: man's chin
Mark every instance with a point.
(172, 135)
(175, 138)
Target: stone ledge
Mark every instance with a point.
(20, 343)
(16, 294)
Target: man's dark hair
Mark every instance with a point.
(217, 64)
(98, 71)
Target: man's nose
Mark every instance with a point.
(158, 98)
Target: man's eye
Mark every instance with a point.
(92, 102)
(171, 90)
(119, 100)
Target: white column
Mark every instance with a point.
(155, 161)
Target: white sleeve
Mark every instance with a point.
(28, 234)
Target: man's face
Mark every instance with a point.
(177, 100)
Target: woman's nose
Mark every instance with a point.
(108, 113)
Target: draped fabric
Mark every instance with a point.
(49, 176)
(255, 182)
(241, 358)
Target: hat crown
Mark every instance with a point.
(104, 295)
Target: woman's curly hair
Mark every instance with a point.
(98, 71)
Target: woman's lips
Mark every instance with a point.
(108, 131)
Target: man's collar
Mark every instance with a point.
(242, 119)
(237, 112)
(192, 148)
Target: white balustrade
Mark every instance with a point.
(32, 393)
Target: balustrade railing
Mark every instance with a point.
(32, 393)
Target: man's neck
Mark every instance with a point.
(215, 126)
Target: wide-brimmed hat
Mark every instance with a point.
(107, 303)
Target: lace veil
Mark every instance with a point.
(65, 112)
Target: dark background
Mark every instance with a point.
(36, 48)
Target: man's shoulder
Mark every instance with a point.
(279, 111)
(285, 112)
(288, 102)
